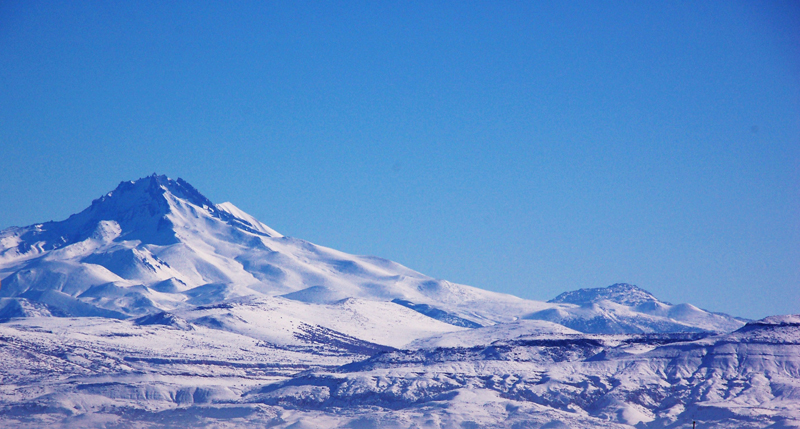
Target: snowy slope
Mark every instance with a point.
(489, 334)
(286, 322)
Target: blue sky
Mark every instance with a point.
(523, 147)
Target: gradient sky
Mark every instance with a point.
(522, 147)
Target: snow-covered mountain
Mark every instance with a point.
(624, 308)
(155, 307)
(620, 293)
(157, 244)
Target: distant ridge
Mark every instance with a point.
(621, 293)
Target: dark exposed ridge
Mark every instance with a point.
(437, 314)
(771, 323)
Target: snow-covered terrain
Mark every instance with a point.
(624, 308)
(156, 306)
(749, 378)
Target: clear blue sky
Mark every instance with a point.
(523, 147)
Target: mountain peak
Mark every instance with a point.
(144, 209)
(621, 293)
(141, 208)
(153, 187)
